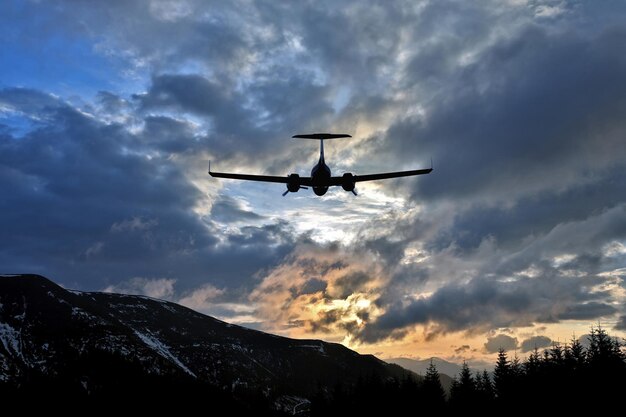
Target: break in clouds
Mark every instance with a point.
(520, 104)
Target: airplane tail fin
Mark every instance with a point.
(322, 136)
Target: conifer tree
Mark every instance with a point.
(463, 391)
(502, 375)
(532, 363)
(485, 386)
(516, 368)
(557, 355)
(432, 390)
(604, 350)
(575, 355)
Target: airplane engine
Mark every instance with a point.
(348, 182)
(293, 184)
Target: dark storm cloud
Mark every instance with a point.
(262, 236)
(312, 286)
(528, 140)
(537, 214)
(77, 192)
(587, 311)
(325, 321)
(528, 115)
(228, 210)
(485, 303)
(353, 42)
(500, 341)
(621, 323)
(535, 342)
(205, 98)
(350, 283)
(192, 93)
(111, 103)
(169, 135)
(256, 124)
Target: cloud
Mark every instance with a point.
(228, 210)
(133, 224)
(111, 205)
(205, 298)
(537, 342)
(621, 323)
(484, 303)
(522, 112)
(462, 349)
(500, 341)
(162, 288)
(590, 310)
(201, 298)
(314, 291)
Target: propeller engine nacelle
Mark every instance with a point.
(293, 183)
(348, 182)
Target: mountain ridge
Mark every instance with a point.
(419, 366)
(50, 333)
(447, 370)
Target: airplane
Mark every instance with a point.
(321, 178)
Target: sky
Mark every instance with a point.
(110, 112)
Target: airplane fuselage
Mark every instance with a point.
(320, 174)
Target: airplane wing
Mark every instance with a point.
(380, 176)
(385, 175)
(303, 181)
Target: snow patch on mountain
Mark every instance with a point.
(163, 350)
(10, 339)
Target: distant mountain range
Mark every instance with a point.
(419, 366)
(447, 370)
(101, 345)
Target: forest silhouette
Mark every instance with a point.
(564, 377)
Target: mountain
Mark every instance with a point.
(419, 366)
(447, 370)
(94, 345)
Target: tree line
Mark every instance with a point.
(564, 377)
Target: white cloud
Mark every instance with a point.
(162, 288)
(201, 299)
(94, 249)
(134, 224)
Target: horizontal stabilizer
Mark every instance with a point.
(322, 136)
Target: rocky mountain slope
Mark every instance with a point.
(93, 343)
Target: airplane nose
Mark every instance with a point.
(320, 191)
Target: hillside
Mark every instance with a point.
(93, 344)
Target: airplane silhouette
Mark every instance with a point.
(321, 177)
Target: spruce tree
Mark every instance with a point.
(557, 355)
(532, 363)
(516, 368)
(575, 355)
(605, 365)
(432, 390)
(463, 392)
(485, 386)
(605, 355)
(502, 375)
(604, 351)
